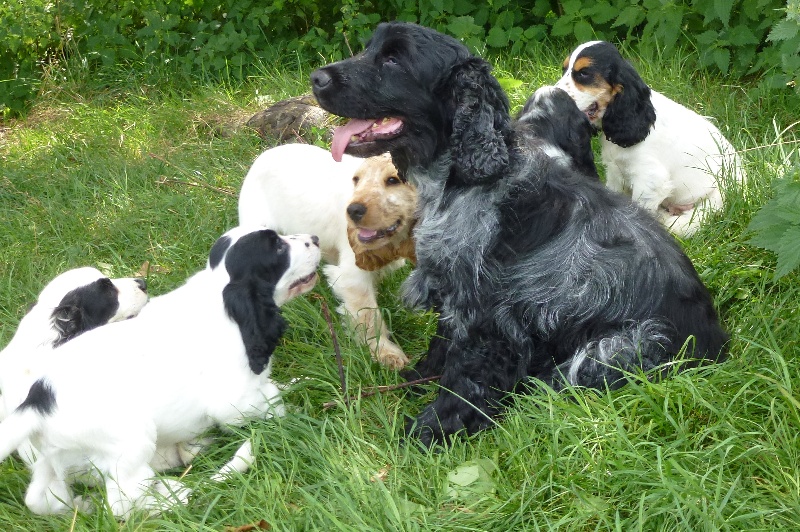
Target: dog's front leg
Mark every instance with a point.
(474, 381)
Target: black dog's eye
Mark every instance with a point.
(393, 181)
(391, 60)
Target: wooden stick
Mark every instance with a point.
(381, 389)
(336, 350)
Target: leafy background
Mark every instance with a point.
(215, 38)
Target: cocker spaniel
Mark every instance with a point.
(74, 302)
(363, 212)
(670, 159)
(535, 270)
(194, 358)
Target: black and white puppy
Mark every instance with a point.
(670, 159)
(535, 270)
(560, 129)
(72, 303)
(196, 357)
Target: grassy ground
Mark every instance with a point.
(128, 174)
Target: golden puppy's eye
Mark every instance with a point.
(393, 181)
(355, 179)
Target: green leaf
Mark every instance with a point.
(497, 38)
(462, 26)
(470, 479)
(722, 58)
(583, 31)
(509, 84)
(723, 9)
(788, 252)
(783, 31)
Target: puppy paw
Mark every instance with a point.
(390, 355)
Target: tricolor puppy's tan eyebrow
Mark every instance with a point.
(581, 63)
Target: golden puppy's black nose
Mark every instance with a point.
(356, 211)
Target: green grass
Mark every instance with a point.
(121, 177)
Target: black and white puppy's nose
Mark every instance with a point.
(356, 211)
(142, 284)
(315, 240)
(320, 79)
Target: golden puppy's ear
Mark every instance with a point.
(407, 250)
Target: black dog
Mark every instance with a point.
(535, 270)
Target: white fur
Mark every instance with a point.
(26, 354)
(676, 172)
(156, 384)
(300, 188)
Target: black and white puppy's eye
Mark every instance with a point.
(581, 75)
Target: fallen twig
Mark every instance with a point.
(381, 389)
(193, 183)
(336, 350)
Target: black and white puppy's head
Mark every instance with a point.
(609, 90)
(551, 120)
(261, 271)
(418, 94)
(79, 300)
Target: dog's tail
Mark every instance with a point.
(27, 419)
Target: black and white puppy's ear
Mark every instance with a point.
(630, 115)
(255, 263)
(480, 119)
(578, 143)
(67, 322)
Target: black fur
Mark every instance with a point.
(218, 251)
(535, 270)
(85, 308)
(630, 116)
(255, 264)
(551, 116)
(40, 397)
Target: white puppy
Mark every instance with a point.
(195, 358)
(72, 303)
(363, 212)
(668, 158)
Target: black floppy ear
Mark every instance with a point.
(481, 123)
(580, 135)
(630, 115)
(249, 303)
(68, 322)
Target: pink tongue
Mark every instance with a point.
(366, 234)
(342, 134)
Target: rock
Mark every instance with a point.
(293, 119)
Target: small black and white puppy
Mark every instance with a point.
(74, 302)
(194, 358)
(559, 128)
(535, 270)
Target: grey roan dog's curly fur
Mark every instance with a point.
(535, 269)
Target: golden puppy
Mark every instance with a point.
(361, 210)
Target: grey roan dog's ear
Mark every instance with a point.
(481, 123)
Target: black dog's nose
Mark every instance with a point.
(356, 211)
(315, 240)
(320, 79)
(142, 284)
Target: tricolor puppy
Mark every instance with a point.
(72, 303)
(363, 212)
(670, 159)
(196, 357)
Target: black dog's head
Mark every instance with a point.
(550, 117)
(417, 93)
(264, 271)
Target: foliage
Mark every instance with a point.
(225, 38)
(777, 224)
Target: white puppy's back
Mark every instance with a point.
(299, 188)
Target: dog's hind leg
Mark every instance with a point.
(607, 360)
(356, 289)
